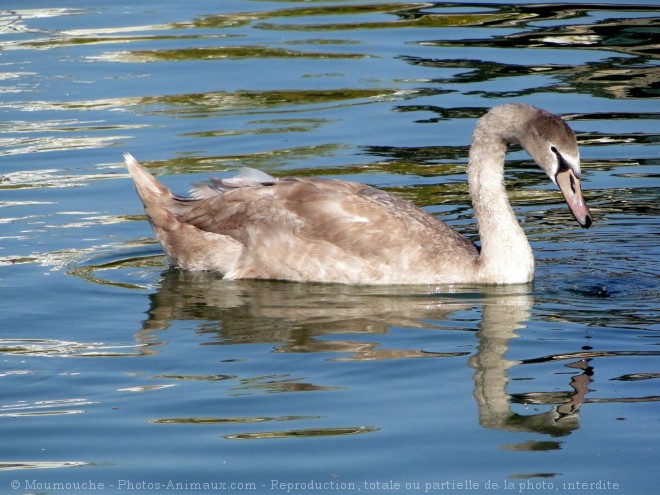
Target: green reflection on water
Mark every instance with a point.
(304, 433)
(231, 52)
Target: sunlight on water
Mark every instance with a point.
(145, 376)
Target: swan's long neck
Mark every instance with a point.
(506, 256)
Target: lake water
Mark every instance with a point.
(120, 375)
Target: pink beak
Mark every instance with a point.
(570, 188)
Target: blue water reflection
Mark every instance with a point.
(116, 370)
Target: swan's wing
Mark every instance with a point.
(357, 219)
(246, 177)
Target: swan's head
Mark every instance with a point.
(553, 146)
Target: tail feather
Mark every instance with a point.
(150, 190)
(186, 246)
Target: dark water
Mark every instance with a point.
(120, 375)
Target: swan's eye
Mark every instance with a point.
(562, 164)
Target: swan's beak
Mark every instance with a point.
(570, 188)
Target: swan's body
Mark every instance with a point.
(316, 230)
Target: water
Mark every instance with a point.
(118, 374)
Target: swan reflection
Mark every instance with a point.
(299, 318)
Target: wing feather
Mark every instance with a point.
(356, 218)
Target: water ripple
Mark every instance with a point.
(60, 348)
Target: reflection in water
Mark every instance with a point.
(497, 328)
(379, 92)
(293, 315)
(317, 318)
(44, 408)
(311, 432)
(11, 466)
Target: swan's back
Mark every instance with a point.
(303, 229)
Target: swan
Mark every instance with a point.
(255, 226)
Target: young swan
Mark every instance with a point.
(316, 230)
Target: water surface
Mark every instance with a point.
(118, 371)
